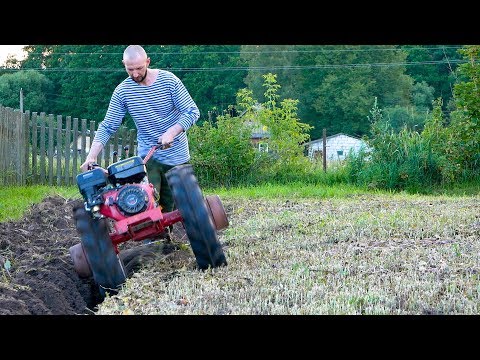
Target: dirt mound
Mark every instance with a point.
(37, 274)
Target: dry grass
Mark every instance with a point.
(369, 254)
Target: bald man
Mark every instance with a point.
(162, 110)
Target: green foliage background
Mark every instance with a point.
(416, 106)
(334, 84)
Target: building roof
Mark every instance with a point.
(331, 137)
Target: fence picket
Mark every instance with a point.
(68, 134)
(59, 150)
(3, 142)
(18, 153)
(26, 138)
(92, 132)
(115, 147)
(131, 142)
(50, 148)
(34, 147)
(43, 165)
(75, 150)
(83, 134)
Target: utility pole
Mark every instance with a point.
(324, 152)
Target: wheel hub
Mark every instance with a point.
(80, 262)
(217, 211)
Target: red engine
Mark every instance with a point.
(123, 194)
(127, 201)
(136, 214)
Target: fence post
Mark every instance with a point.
(115, 147)
(34, 147)
(3, 141)
(131, 142)
(26, 137)
(43, 153)
(68, 121)
(19, 129)
(50, 149)
(84, 140)
(59, 150)
(75, 150)
(324, 152)
(92, 132)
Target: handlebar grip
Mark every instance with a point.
(164, 146)
(92, 165)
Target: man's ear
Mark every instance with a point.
(148, 61)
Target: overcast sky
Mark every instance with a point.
(5, 50)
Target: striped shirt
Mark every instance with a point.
(154, 109)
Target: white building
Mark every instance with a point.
(338, 147)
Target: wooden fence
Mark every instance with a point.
(48, 149)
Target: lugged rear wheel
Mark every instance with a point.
(201, 231)
(106, 266)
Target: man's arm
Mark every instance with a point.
(92, 155)
(106, 128)
(185, 105)
(167, 136)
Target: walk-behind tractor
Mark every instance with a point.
(120, 204)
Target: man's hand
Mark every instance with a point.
(87, 165)
(92, 156)
(166, 139)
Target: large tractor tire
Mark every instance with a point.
(199, 227)
(105, 265)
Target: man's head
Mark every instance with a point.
(136, 62)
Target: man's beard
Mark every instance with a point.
(142, 78)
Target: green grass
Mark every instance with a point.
(15, 200)
(293, 190)
(466, 189)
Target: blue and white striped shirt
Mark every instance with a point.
(154, 109)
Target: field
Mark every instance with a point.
(362, 255)
(357, 254)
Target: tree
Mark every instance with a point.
(464, 142)
(334, 85)
(287, 133)
(211, 73)
(437, 66)
(292, 66)
(351, 79)
(35, 88)
(84, 76)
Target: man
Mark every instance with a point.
(162, 110)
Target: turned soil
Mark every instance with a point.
(37, 275)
